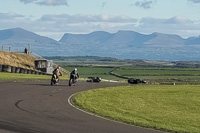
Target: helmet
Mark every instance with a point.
(58, 67)
(75, 69)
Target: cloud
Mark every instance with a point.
(53, 2)
(144, 4)
(46, 2)
(178, 20)
(175, 25)
(87, 18)
(27, 1)
(195, 1)
(11, 16)
(56, 25)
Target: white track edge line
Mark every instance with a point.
(107, 118)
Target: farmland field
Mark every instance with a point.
(162, 75)
(154, 75)
(154, 72)
(91, 71)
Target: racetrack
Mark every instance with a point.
(37, 107)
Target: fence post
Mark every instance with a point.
(29, 49)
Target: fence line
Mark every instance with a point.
(9, 49)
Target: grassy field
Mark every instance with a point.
(91, 71)
(155, 75)
(17, 76)
(164, 107)
(151, 75)
(162, 75)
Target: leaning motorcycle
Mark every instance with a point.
(54, 80)
(72, 80)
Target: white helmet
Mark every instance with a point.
(75, 69)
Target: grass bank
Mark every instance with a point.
(163, 107)
(17, 60)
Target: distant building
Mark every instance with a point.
(44, 66)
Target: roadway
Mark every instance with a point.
(37, 107)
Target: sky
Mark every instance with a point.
(53, 18)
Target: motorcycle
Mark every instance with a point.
(54, 80)
(72, 81)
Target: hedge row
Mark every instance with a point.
(117, 75)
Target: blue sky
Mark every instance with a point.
(53, 18)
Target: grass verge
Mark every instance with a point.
(14, 76)
(17, 76)
(163, 107)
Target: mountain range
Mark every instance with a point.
(121, 45)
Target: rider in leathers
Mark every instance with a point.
(74, 74)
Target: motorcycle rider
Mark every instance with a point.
(74, 75)
(57, 72)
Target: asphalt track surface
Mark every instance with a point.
(37, 107)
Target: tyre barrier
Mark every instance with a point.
(12, 69)
(28, 71)
(6, 68)
(32, 72)
(17, 69)
(1, 68)
(25, 71)
(36, 72)
(21, 70)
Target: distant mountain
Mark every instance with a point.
(19, 38)
(193, 41)
(122, 45)
(165, 40)
(133, 45)
(19, 33)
